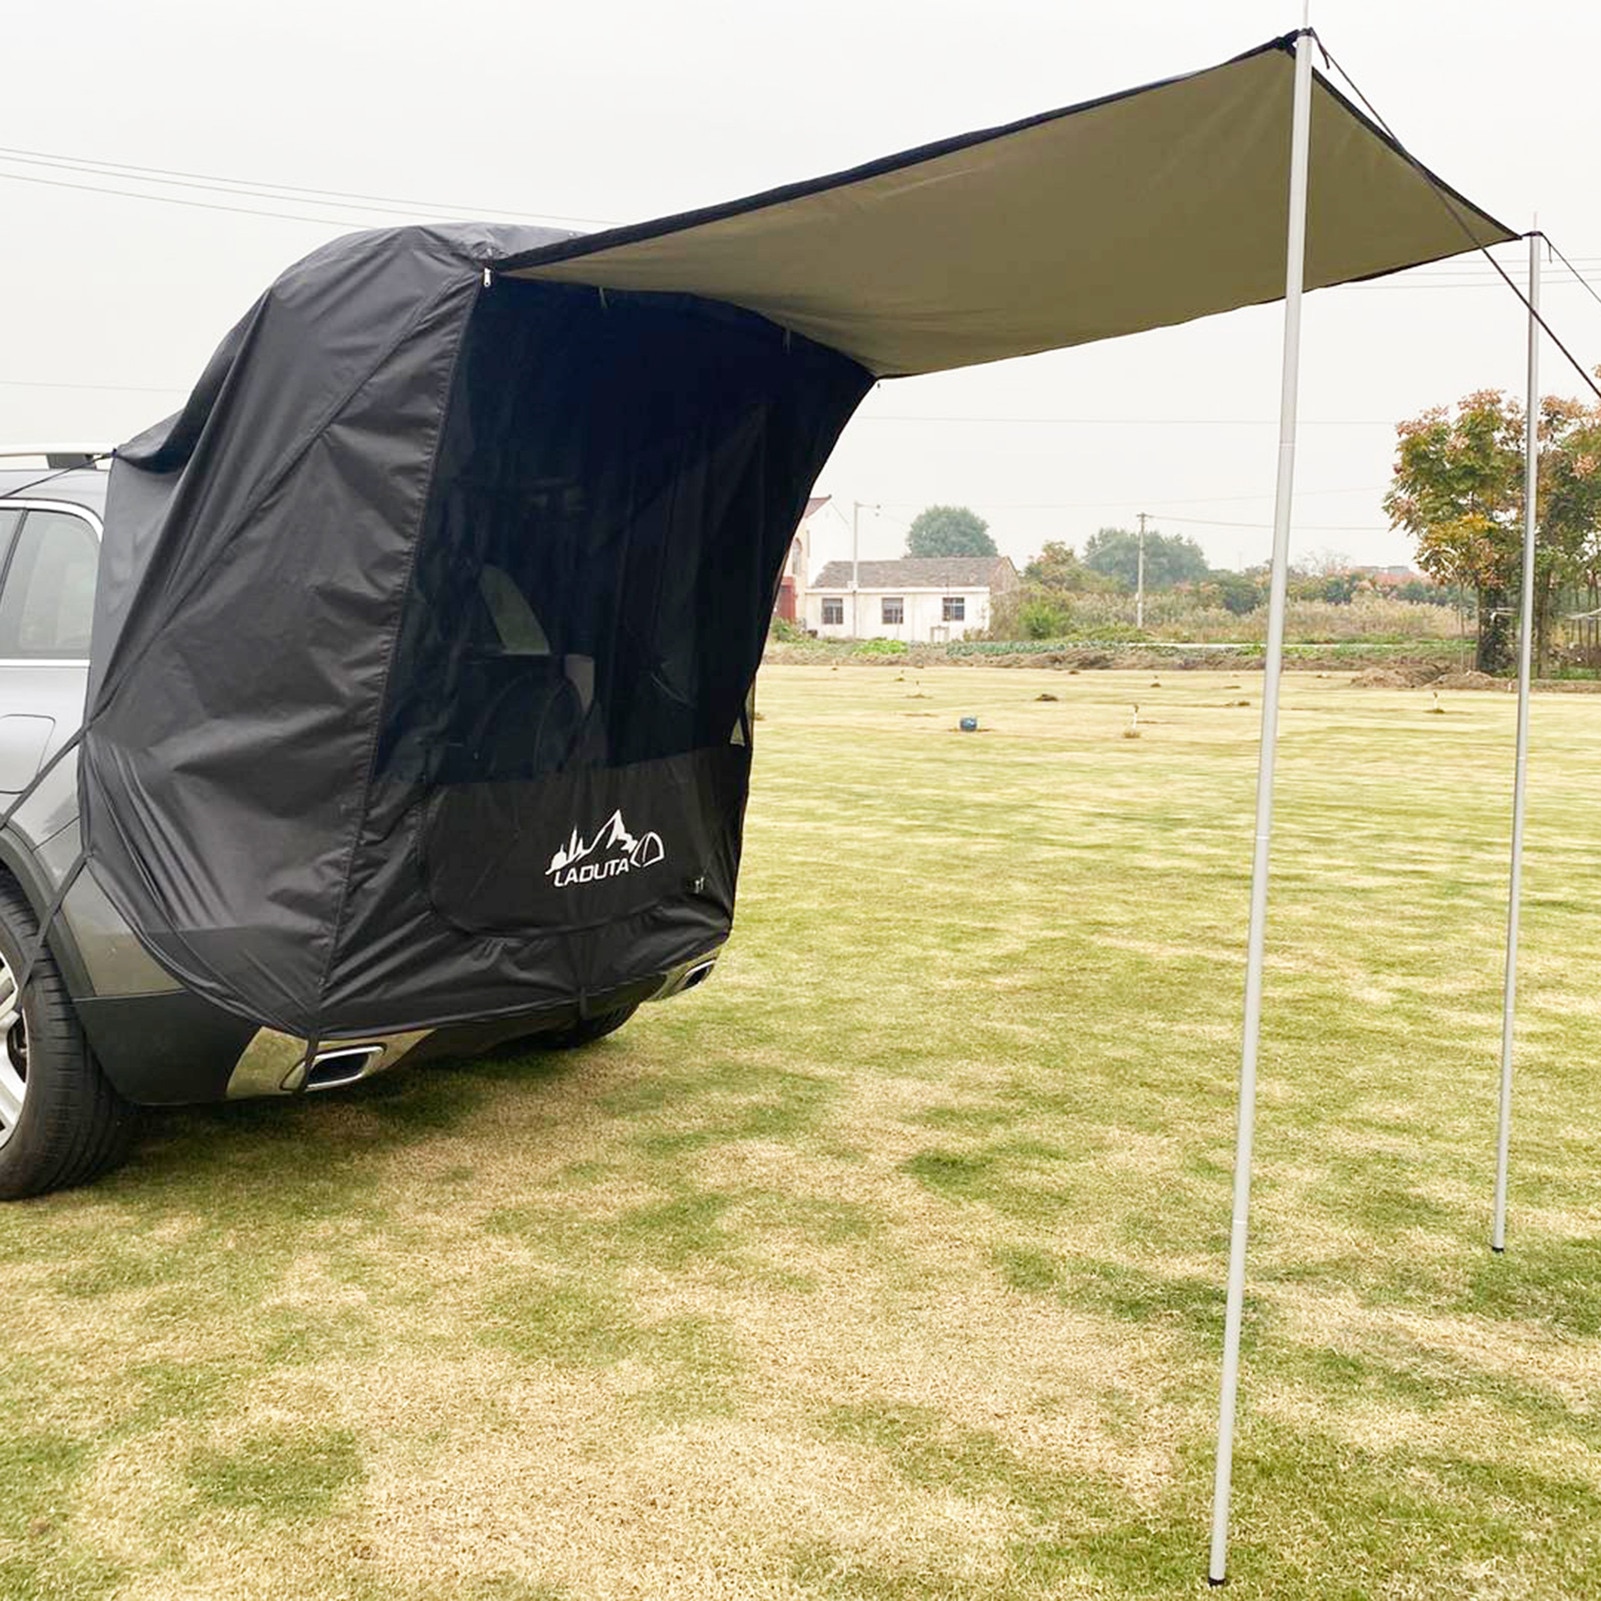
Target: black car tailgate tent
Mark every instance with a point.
(426, 631)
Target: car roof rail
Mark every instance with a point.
(58, 456)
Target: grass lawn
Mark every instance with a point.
(889, 1264)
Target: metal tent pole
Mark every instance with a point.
(1509, 995)
(1294, 273)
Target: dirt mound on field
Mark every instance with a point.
(1398, 675)
(1471, 679)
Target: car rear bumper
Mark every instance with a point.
(172, 1048)
(165, 1049)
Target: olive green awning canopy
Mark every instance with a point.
(1138, 211)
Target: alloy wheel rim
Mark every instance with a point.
(13, 1052)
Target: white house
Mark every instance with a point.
(919, 599)
(821, 518)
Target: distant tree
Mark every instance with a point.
(1457, 487)
(1058, 569)
(949, 531)
(1043, 616)
(1237, 593)
(1170, 559)
(1425, 592)
(1338, 588)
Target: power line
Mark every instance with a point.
(1461, 265)
(1296, 527)
(1104, 505)
(329, 221)
(110, 389)
(179, 200)
(1138, 422)
(1467, 264)
(1487, 283)
(194, 180)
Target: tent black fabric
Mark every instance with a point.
(426, 631)
(422, 660)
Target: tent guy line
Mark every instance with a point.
(1530, 300)
(1530, 304)
(1590, 288)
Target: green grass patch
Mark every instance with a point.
(281, 1475)
(890, 1263)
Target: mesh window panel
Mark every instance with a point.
(618, 486)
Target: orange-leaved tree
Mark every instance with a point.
(1457, 487)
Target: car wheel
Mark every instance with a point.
(61, 1122)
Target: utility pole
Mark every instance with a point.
(857, 508)
(856, 566)
(1139, 581)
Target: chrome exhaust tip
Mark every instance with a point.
(332, 1070)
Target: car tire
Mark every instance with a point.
(71, 1125)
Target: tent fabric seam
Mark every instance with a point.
(110, 687)
(393, 650)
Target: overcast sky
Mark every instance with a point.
(595, 114)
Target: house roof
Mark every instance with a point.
(922, 572)
(816, 503)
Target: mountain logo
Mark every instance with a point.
(612, 852)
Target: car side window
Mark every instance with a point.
(8, 526)
(47, 602)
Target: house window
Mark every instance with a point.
(833, 611)
(893, 610)
(954, 608)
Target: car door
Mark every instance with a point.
(48, 565)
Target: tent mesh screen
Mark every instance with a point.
(617, 485)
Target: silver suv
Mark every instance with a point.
(103, 1028)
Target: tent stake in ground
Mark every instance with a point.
(1294, 278)
(1531, 478)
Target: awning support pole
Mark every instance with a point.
(1509, 994)
(1294, 275)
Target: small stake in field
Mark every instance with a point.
(1133, 729)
